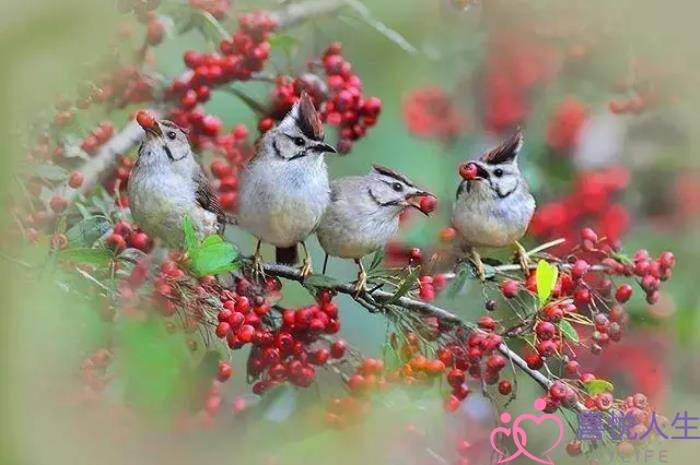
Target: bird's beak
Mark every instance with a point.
(321, 148)
(414, 198)
(155, 130)
(481, 172)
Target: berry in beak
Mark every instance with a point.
(425, 202)
(472, 171)
(149, 123)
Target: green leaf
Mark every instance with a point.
(190, 236)
(598, 386)
(546, 280)
(458, 282)
(377, 259)
(320, 281)
(212, 28)
(406, 286)
(568, 330)
(283, 41)
(99, 258)
(87, 231)
(214, 258)
(212, 240)
(48, 172)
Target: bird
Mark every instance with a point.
(284, 189)
(167, 184)
(494, 205)
(364, 214)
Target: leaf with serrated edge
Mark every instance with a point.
(99, 258)
(546, 280)
(568, 330)
(87, 231)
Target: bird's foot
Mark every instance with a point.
(475, 258)
(523, 259)
(258, 267)
(306, 268)
(361, 284)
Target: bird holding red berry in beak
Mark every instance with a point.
(167, 183)
(285, 189)
(364, 214)
(494, 205)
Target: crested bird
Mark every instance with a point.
(364, 214)
(167, 183)
(284, 189)
(494, 205)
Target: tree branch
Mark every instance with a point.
(383, 297)
(296, 13)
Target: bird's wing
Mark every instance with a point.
(463, 187)
(206, 198)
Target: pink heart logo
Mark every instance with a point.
(538, 421)
(507, 432)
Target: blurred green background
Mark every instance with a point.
(47, 46)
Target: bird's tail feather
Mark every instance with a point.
(287, 255)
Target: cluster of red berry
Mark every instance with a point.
(115, 183)
(516, 63)
(236, 150)
(243, 54)
(97, 137)
(430, 113)
(127, 235)
(591, 203)
(648, 91)
(651, 274)
(217, 8)
(290, 352)
(93, 371)
(339, 99)
(639, 411)
(564, 126)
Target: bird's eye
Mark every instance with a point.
(172, 135)
(298, 141)
(397, 186)
(498, 173)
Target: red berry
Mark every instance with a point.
(338, 349)
(145, 119)
(76, 179)
(224, 372)
(116, 242)
(468, 171)
(428, 204)
(451, 403)
(455, 377)
(573, 448)
(587, 234)
(505, 387)
(667, 260)
(58, 203)
(579, 269)
(623, 293)
(509, 288)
